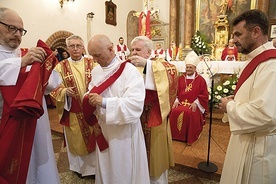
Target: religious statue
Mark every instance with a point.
(144, 19)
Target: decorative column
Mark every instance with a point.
(263, 5)
(173, 22)
(189, 28)
(89, 18)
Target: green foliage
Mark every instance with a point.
(200, 44)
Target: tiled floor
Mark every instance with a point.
(187, 158)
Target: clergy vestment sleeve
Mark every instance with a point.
(53, 82)
(258, 112)
(9, 70)
(149, 77)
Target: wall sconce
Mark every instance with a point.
(62, 1)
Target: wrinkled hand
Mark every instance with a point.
(176, 104)
(70, 91)
(34, 54)
(95, 99)
(138, 61)
(224, 102)
(193, 106)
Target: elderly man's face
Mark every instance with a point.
(138, 49)
(190, 69)
(8, 38)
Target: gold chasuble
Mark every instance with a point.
(154, 118)
(22, 107)
(78, 133)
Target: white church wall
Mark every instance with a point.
(43, 18)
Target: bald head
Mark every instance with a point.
(9, 39)
(101, 49)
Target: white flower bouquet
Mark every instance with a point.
(226, 89)
(200, 45)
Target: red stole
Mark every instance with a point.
(151, 115)
(249, 69)
(120, 49)
(160, 52)
(170, 52)
(22, 108)
(88, 110)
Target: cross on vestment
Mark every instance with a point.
(144, 19)
(186, 102)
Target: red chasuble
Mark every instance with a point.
(185, 124)
(22, 108)
(230, 52)
(76, 106)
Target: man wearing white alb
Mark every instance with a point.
(42, 166)
(118, 108)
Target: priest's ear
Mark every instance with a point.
(256, 31)
(110, 48)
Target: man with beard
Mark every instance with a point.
(250, 156)
(26, 154)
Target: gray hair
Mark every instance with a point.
(147, 42)
(3, 11)
(73, 37)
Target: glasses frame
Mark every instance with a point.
(14, 29)
(72, 47)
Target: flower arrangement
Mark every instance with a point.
(200, 45)
(226, 89)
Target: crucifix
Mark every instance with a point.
(153, 12)
(144, 18)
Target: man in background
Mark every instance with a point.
(121, 49)
(230, 53)
(172, 52)
(159, 52)
(76, 75)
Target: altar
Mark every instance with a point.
(217, 67)
(220, 69)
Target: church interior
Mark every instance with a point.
(171, 21)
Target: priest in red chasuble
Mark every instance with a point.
(75, 72)
(230, 53)
(187, 116)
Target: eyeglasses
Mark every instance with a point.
(14, 29)
(75, 46)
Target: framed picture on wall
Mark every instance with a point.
(272, 29)
(110, 13)
(207, 12)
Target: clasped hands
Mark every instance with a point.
(224, 101)
(192, 106)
